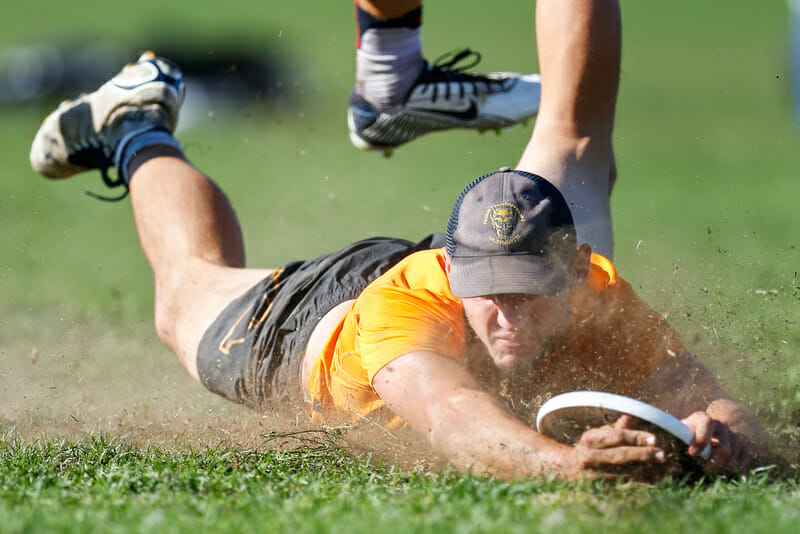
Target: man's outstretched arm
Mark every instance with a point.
(441, 400)
(686, 388)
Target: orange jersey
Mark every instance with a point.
(613, 342)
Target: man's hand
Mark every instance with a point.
(729, 450)
(618, 451)
(686, 388)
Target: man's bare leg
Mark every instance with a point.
(187, 228)
(579, 43)
(191, 238)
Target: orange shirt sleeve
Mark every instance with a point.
(394, 321)
(410, 308)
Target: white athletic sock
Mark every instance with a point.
(388, 63)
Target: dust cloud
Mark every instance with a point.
(66, 377)
(78, 380)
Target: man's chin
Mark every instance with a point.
(515, 365)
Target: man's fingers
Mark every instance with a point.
(638, 464)
(623, 421)
(618, 451)
(612, 436)
(729, 452)
(703, 427)
(593, 458)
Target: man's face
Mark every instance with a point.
(517, 330)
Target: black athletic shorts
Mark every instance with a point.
(253, 352)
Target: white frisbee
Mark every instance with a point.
(565, 417)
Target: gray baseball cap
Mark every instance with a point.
(510, 232)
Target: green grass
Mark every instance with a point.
(100, 485)
(706, 226)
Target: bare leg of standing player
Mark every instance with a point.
(579, 44)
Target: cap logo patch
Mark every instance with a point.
(504, 217)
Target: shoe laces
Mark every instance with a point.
(451, 67)
(96, 144)
(111, 183)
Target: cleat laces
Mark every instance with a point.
(451, 67)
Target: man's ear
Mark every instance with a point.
(581, 267)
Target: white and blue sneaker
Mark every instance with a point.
(445, 97)
(86, 133)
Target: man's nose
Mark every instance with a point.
(509, 313)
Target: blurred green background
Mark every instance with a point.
(705, 209)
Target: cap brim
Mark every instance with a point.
(495, 275)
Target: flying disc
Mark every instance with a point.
(567, 416)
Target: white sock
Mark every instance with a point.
(388, 63)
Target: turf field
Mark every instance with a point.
(101, 430)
